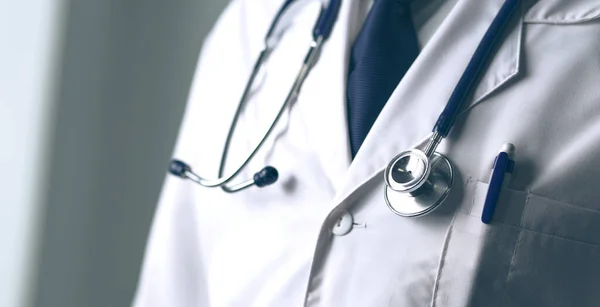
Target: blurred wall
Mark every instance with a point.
(30, 39)
(100, 139)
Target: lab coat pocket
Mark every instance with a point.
(556, 260)
(536, 252)
(476, 257)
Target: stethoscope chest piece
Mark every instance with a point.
(416, 184)
(418, 181)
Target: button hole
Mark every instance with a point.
(360, 225)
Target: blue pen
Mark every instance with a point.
(503, 168)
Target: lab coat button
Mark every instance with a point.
(343, 224)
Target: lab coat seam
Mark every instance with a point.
(563, 21)
(447, 239)
(515, 59)
(502, 80)
(320, 255)
(561, 237)
(517, 50)
(322, 247)
(515, 249)
(521, 227)
(472, 198)
(550, 12)
(499, 84)
(441, 263)
(352, 196)
(345, 195)
(562, 203)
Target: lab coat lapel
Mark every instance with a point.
(410, 113)
(323, 98)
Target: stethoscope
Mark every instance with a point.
(417, 181)
(268, 175)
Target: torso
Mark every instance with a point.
(275, 246)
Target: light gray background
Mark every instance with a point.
(126, 66)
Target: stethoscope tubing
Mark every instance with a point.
(472, 73)
(308, 63)
(474, 69)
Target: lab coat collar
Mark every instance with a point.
(410, 113)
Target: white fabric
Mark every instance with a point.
(275, 246)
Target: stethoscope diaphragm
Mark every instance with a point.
(427, 182)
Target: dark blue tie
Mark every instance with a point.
(383, 51)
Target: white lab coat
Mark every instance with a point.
(284, 245)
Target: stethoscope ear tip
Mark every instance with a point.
(179, 168)
(266, 176)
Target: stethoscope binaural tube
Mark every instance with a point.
(423, 178)
(268, 175)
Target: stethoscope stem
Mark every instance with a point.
(183, 170)
(434, 141)
(238, 187)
